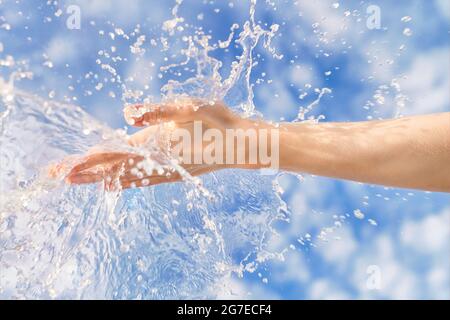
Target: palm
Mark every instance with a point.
(120, 169)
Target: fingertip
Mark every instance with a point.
(52, 171)
(133, 115)
(83, 178)
(67, 180)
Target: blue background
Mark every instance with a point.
(411, 243)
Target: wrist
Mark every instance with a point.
(258, 140)
(290, 146)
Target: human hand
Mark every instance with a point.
(126, 170)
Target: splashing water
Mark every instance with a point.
(83, 242)
(168, 241)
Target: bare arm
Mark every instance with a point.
(412, 152)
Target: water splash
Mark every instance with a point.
(83, 242)
(165, 242)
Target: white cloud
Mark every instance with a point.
(444, 8)
(277, 99)
(396, 280)
(423, 239)
(123, 13)
(230, 288)
(325, 289)
(62, 49)
(427, 83)
(330, 20)
(429, 235)
(303, 74)
(145, 72)
(438, 280)
(339, 252)
(294, 269)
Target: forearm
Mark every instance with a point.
(412, 152)
(407, 152)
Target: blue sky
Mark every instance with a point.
(370, 71)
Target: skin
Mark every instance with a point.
(409, 152)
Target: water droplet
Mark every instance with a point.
(406, 19)
(358, 214)
(407, 32)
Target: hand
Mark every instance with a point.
(126, 170)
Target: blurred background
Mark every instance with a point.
(381, 59)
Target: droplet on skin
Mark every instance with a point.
(134, 171)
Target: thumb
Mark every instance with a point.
(149, 114)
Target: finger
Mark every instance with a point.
(127, 183)
(95, 160)
(181, 111)
(83, 178)
(141, 183)
(111, 182)
(144, 115)
(142, 137)
(56, 170)
(133, 114)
